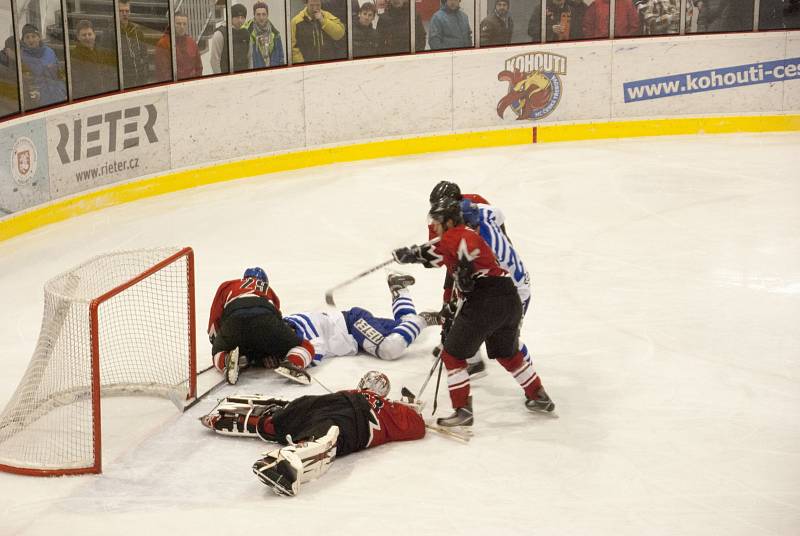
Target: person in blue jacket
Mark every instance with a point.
(449, 27)
(44, 84)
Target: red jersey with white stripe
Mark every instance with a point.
(229, 291)
(461, 242)
(391, 421)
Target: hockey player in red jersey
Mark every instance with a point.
(450, 190)
(245, 326)
(316, 428)
(490, 311)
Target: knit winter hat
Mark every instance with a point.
(238, 10)
(29, 28)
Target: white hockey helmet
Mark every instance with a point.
(375, 381)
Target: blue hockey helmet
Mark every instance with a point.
(256, 273)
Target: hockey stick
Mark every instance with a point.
(430, 375)
(329, 293)
(436, 392)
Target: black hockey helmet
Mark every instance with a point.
(445, 209)
(443, 190)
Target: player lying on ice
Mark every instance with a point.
(490, 311)
(316, 429)
(246, 328)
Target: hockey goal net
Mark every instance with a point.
(119, 324)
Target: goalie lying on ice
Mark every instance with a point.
(316, 428)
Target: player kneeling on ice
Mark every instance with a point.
(490, 311)
(316, 429)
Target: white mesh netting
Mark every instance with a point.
(144, 337)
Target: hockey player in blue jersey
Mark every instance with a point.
(323, 334)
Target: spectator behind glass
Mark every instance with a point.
(365, 37)
(449, 27)
(314, 34)
(725, 15)
(535, 23)
(563, 20)
(94, 69)
(394, 29)
(659, 17)
(498, 27)
(42, 78)
(133, 45)
(265, 39)
(187, 56)
(242, 59)
(596, 20)
(9, 90)
(779, 14)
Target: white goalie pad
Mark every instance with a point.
(232, 414)
(285, 469)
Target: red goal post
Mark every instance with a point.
(120, 324)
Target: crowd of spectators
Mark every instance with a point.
(318, 31)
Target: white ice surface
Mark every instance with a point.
(665, 325)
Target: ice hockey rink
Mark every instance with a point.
(664, 324)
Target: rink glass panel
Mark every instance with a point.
(339, 8)
(150, 22)
(9, 85)
(40, 28)
(92, 71)
(715, 16)
(779, 15)
(428, 14)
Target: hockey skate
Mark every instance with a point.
(285, 469)
(398, 282)
(460, 417)
(294, 373)
(232, 366)
(540, 404)
(432, 318)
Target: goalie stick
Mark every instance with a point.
(329, 293)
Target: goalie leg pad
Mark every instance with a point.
(242, 416)
(284, 470)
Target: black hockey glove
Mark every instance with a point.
(424, 255)
(464, 279)
(448, 313)
(406, 255)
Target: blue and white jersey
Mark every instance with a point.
(326, 331)
(489, 220)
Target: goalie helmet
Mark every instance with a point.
(256, 273)
(446, 209)
(375, 381)
(445, 190)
